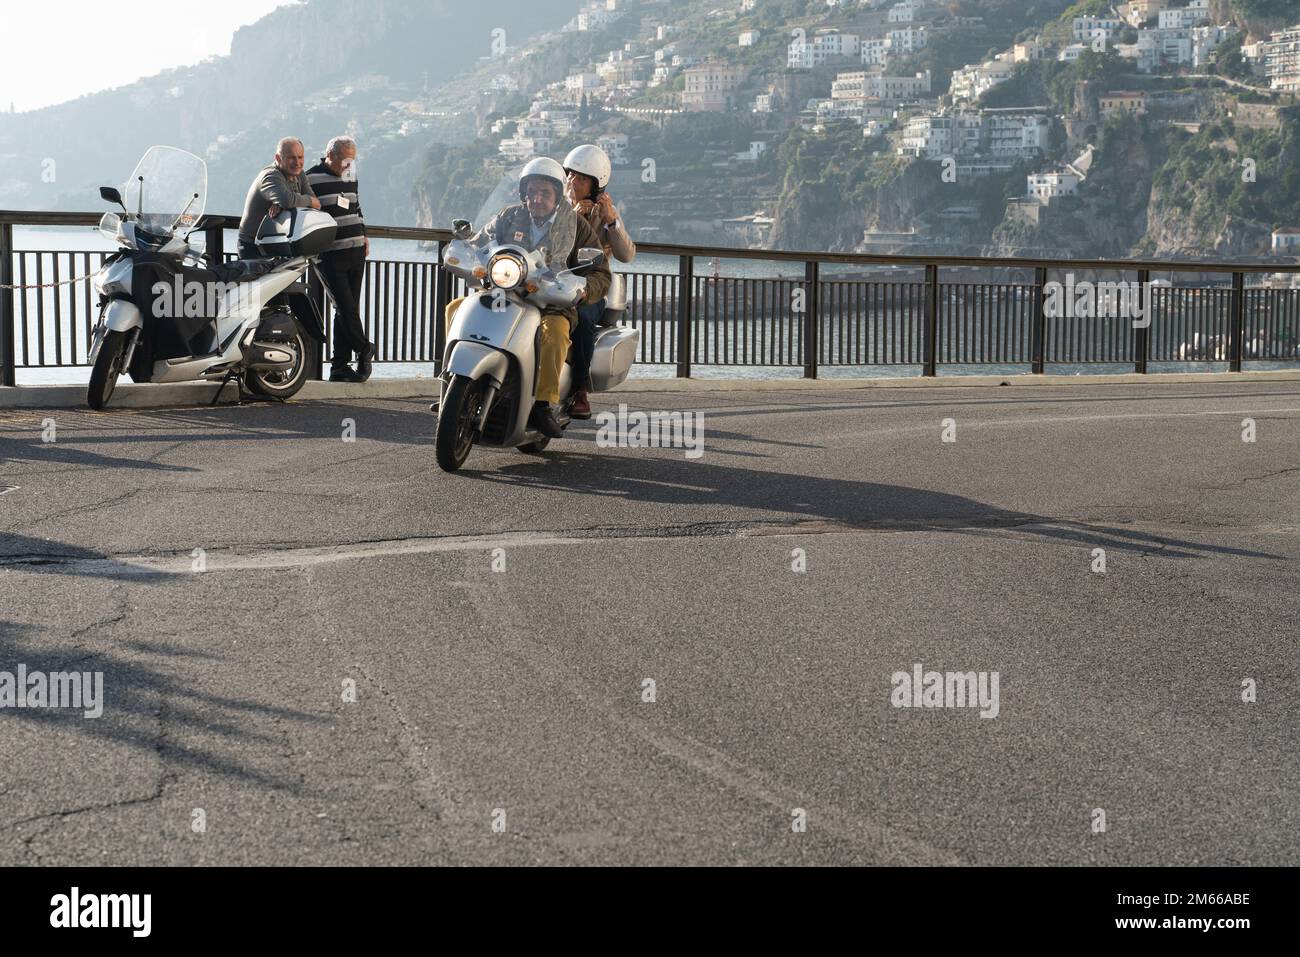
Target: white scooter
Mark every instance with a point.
(166, 316)
(490, 364)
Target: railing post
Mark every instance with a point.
(685, 306)
(1142, 334)
(812, 318)
(1038, 332)
(1237, 330)
(931, 354)
(8, 376)
(316, 292)
(441, 299)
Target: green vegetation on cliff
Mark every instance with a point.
(1228, 172)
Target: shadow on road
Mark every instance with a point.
(665, 480)
(44, 556)
(145, 708)
(403, 422)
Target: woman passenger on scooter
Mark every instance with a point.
(587, 170)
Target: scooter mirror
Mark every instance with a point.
(461, 229)
(109, 194)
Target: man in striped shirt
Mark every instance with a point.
(343, 265)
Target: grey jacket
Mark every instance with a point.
(569, 233)
(272, 187)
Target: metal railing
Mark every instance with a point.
(922, 311)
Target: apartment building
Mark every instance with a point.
(1141, 12)
(934, 137)
(1184, 18)
(820, 48)
(1088, 29)
(972, 82)
(876, 51)
(1282, 60)
(1015, 134)
(615, 147)
(1002, 137)
(711, 87)
(905, 12)
(1180, 47)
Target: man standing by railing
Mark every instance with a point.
(281, 185)
(343, 265)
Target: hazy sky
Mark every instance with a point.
(56, 51)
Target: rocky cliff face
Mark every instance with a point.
(1172, 230)
(835, 211)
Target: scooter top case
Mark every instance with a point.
(296, 232)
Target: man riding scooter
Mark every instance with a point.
(544, 221)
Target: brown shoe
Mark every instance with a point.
(581, 408)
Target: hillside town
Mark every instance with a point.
(823, 78)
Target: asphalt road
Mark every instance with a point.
(770, 589)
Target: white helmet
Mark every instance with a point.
(547, 168)
(590, 160)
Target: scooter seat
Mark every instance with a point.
(241, 270)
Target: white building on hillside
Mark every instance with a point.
(1180, 47)
(934, 137)
(972, 82)
(1088, 29)
(1286, 242)
(904, 12)
(615, 147)
(816, 50)
(1282, 60)
(581, 82)
(876, 51)
(1015, 134)
(998, 136)
(1184, 18)
(1046, 187)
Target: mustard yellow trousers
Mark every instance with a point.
(553, 349)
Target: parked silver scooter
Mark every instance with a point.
(490, 365)
(168, 316)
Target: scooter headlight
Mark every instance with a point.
(506, 270)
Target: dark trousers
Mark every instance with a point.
(584, 341)
(344, 272)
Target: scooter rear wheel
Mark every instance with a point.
(457, 416)
(280, 385)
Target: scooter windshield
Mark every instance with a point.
(505, 193)
(168, 190)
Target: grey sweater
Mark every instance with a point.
(272, 187)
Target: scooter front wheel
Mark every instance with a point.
(108, 366)
(457, 415)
